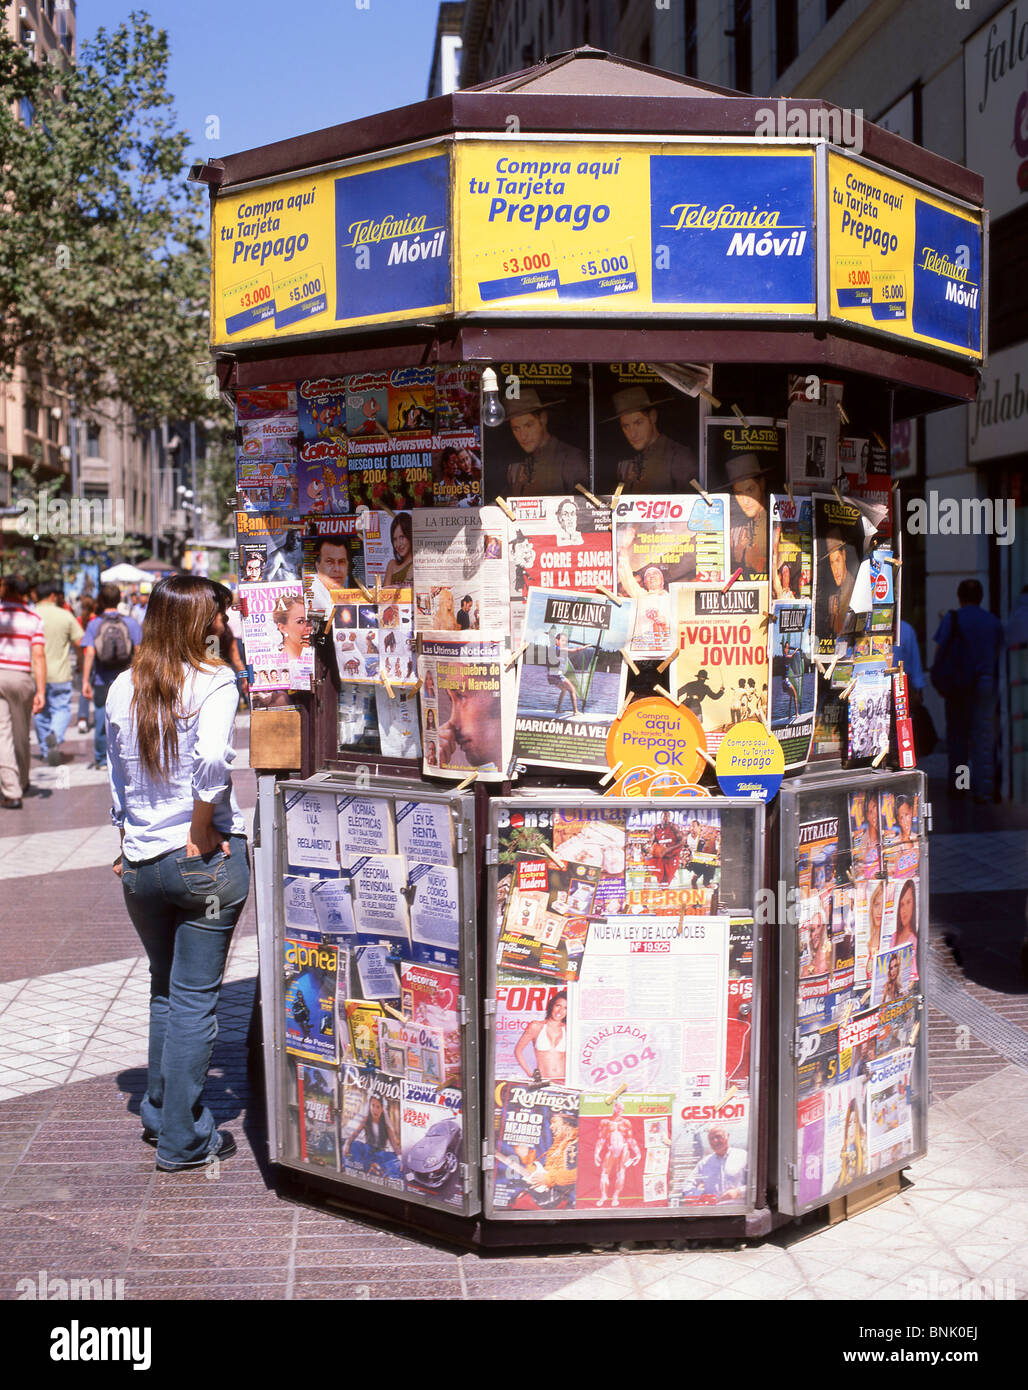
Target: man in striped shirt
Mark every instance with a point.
(22, 686)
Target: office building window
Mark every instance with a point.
(786, 25)
(831, 6)
(691, 57)
(32, 416)
(742, 38)
(93, 436)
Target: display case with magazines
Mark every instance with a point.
(853, 1051)
(622, 1008)
(375, 1081)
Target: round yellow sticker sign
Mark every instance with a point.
(658, 734)
(750, 761)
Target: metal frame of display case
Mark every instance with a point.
(271, 871)
(838, 782)
(755, 1202)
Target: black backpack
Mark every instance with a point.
(113, 643)
(952, 672)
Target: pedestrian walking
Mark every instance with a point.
(22, 686)
(969, 641)
(107, 647)
(87, 608)
(62, 634)
(184, 865)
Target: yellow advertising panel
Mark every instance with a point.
(365, 244)
(564, 227)
(903, 261)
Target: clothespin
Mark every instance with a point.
(740, 416)
(388, 686)
(847, 692)
(589, 496)
(366, 592)
(891, 560)
(842, 414)
(660, 690)
(625, 703)
(505, 509)
(416, 686)
(767, 619)
(709, 396)
(515, 655)
(705, 495)
(707, 759)
(378, 588)
(788, 488)
(617, 495)
(880, 756)
(667, 662)
(762, 716)
(914, 1032)
(609, 1100)
(609, 777)
(560, 863)
(896, 485)
(728, 1095)
(832, 665)
(847, 1010)
(631, 664)
(732, 579)
(600, 589)
(386, 508)
(463, 786)
(878, 439)
(390, 1010)
(838, 495)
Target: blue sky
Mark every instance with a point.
(269, 69)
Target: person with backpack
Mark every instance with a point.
(968, 644)
(107, 649)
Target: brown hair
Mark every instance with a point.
(179, 616)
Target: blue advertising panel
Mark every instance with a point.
(734, 231)
(947, 277)
(392, 239)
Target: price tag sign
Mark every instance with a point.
(506, 274)
(300, 295)
(248, 302)
(853, 282)
(889, 291)
(598, 272)
(750, 761)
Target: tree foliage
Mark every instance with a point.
(103, 250)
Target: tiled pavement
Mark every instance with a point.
(80, 1198)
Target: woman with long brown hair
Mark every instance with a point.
(184, 865)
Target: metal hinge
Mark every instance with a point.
(462, 1009)
(490, 850)
(792, 1171)
(488, 1011)
(488, 1161)
(465, 1173)
(794, 1046)
(462, 843)
(928, 817)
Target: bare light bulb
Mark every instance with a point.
(493, 413)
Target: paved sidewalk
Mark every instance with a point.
(80, 1198)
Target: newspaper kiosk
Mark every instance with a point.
(517, 561)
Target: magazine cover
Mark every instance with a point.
(623, 1029)
(457, 396)
(792, 547)
(817, 848)
(411, 401)
(865, 833)
(411, 1050)
(556, 543)
(374, 641)
(377, 973)
(380, 908)
(673, 862)
(814, 423)
(431, 997)
(435, 915)
(793, 679)
(433, 1141)
(530, 1029)
(571, 680)
(843, 938)
(310, 999)
(838, 553)
(319, 1115)
(457, 469)
(624, 1150)
(901, 829)
(869, 711)
(268, 438)
(845, 1149)
(390, 472)
(264, 402)
(388, 548)
(268, 485)
(460, 570)
(362, 1025)
(892, 976)
(547, 917)
(367, 405)
(746, 460)
(424, 832)
(647, 434)
(333, 558)
(333, 909)
(710, 1154)
(890, 1121)
(370, 1126)
(276, 635)
(896, 1023)
(365, 825)
(321, 478)
(721, 669)
(542, 449)
(536, 1147)
(660, 541)
(270, 547)
(466, 705)
(810, 1145)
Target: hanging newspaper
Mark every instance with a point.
(660, 541)
(721, 668)
(466, 705)
(624, 1150)
(890, 1124)
(838, 552)
(460, 570)
(571, 679)
(374, 641)
(793, 680)
(556, 543)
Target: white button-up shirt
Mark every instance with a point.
(154, 813)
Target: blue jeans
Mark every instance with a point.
(100, 727)
(55, 716)
(184, 910)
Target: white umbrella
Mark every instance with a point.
(124, 574)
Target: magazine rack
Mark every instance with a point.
(851, 1068)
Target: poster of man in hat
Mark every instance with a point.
(746, 459)
(838, 551)
(647, 433)
(543, 448)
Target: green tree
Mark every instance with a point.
(103, 247)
